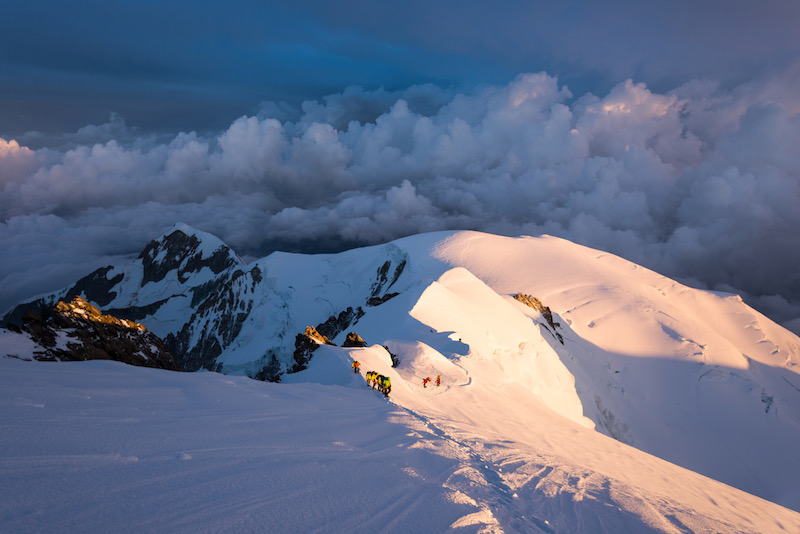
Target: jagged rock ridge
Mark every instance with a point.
(78, 331)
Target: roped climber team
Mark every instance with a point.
(384, 383)
(371, 378)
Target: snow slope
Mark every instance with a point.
(528, 407)
(99, 446)
(692, 376)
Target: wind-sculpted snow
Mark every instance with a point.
(693, 377)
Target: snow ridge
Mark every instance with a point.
(533, 388)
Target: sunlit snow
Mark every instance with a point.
(665, 409)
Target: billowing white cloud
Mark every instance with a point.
(699, 183)
(15, 161)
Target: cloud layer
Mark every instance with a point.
(698, 183)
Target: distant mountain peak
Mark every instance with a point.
(185, 250)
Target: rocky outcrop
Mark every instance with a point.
(305, 344)
(395, 358)
(537, 305)
(95, 287)
(77, 331)
(354, 340)
(270, 369)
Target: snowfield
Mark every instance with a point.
(100, 446)
(641, 405)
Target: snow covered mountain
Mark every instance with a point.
(545, 348)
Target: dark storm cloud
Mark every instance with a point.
(179, 65)
(193, 66)
(701, 182)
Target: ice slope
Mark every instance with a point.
(100, 446)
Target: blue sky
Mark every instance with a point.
(665, 132)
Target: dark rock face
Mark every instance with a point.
(305, 344)
(179, 252)
(96, 287)
(354, 340)
(383, 283)
(217, 319)
(136, 313)
(336, 324)
(13, 319)
(78, 331)
(377, 301)
(536, 304)
(270, 371)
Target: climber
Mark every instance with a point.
(387, 386)
(438, 380)
(356, 366)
